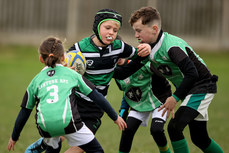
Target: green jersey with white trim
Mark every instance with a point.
(177, 61)
(52, 92)
(138, 91)
(161, 60)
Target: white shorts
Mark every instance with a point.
(81, 137)
(144, 116)
(199, 102)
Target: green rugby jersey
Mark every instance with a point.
(161, 60)
(138, 90)
(52, 91)
(175, 59)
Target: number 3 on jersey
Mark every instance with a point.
(53, 92)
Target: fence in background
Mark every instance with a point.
(203, 24)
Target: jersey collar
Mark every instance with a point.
(155, 46)
(46, 67)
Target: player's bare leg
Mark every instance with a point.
(74, 150)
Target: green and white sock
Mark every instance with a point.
(213, 148)
(180, 146)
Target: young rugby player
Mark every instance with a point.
(144, 92)
(52, 91)
(195, 85)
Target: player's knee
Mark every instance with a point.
(171, 126)
(157, 126)
(175, 130)
(196, 140)
(175, 126)
(129, 131)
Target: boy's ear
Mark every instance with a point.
(155, 28)
(41, 59)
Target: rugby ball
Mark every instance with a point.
(77, 60)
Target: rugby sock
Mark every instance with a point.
(180, 146)
(164, 149)
(213, 148)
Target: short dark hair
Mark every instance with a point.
(147, 14)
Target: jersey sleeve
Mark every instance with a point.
(85, 86)
(20, 122)
(29, 99)
(99, 99)
(188, 69)
(132, 53)
(128, 51)
(124, 71)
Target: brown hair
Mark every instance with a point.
(51, 51)
(147, 14)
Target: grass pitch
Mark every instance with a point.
(19, 64)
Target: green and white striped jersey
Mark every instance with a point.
(102, 61)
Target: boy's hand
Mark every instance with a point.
(73, 67)
(78, 69)
(11, 144)
(121, 123)
(144, 49)
(64, 64)
(169, 106)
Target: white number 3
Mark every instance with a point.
(54, 94)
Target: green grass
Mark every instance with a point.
(19, 64)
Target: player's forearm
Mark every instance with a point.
(122, 72)
(99, 99)
(20, 122)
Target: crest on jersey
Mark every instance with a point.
(165, 70)
(90, 62)
(50, 73)
(134, 94)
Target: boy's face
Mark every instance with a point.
(145, 33)
(108, 31)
